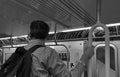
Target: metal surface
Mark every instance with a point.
(115, 55)
(68, 52)
(107, 53)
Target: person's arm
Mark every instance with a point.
(78, 70)
(49, 64)
(59, 69)
(80, 67)
(56, 66)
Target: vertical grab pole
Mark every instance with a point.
(56, 44)
(68, 52)
(107, 51)
(55, 34)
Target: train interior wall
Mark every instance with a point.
(76, 49)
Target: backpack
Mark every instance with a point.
(19, 63)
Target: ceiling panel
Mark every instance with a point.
(16, 15)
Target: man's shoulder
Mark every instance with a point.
(44, 51)
(48, 50)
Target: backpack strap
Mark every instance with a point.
(21, 51)
(25, 65)
(34, 48)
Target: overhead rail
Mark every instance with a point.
(81, 34)
(67, 50)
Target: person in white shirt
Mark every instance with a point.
(46, 61)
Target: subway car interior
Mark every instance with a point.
(74, 24)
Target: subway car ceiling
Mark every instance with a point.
(16, 15)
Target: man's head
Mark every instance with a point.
(39, 29)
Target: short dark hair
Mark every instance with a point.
(39, 29)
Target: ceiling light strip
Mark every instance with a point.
(76, 29)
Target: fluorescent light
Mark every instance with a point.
(5, 38)
(15, 45)
(76, 29)
(114, 24)
(19, 36)
(51, 32)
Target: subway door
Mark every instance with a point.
(100, 60)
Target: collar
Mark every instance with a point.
(33, 42)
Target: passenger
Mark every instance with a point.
(46, 61)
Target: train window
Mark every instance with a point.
(68, 34)
(57, 35)
(118, 27)
(75, 34)
(7, 42)
(84, 33)
(72, 34)
(1, 43)
(51, 37)
(79, 34)
(112, 30)
(61, 36)
(64, 35)
(18, 40)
